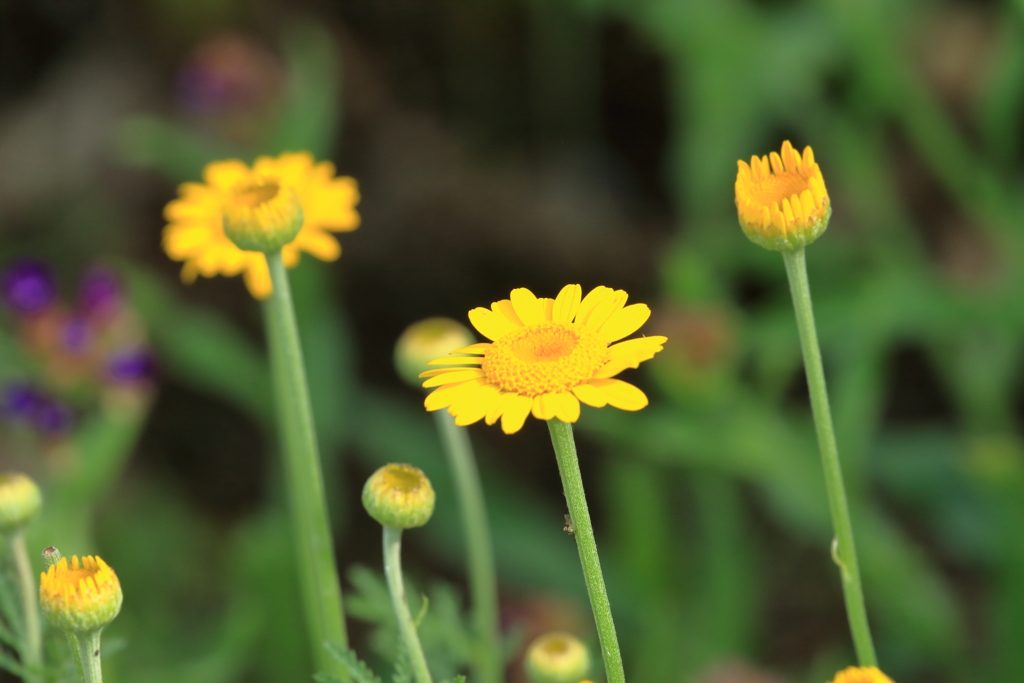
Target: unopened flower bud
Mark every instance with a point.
(80, 597)
(781, 199)
(20, 501)
(262, 216)
(861, 674)
(557, 658)
(426, 340)
(399, 496)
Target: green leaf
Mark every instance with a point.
(356, 668)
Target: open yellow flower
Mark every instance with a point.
(861, 674)
(781, 199)
(195, 221)
(81, 596)
(547, 355)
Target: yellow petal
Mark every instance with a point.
(456, 360)
(224, 175)
(566, 304)
(439, 371)
(515, 413)
(639, 349)
(527, 306)
(544, 406)
(499, 407)
(455, 375)
(257, 279)
(448, 394)
(480, 348)
(323, 245)
(567, 407)
(474, 405)
(504, 307)
(590, 301)
(624, 322)
(604, 310)
(614, 367)
(620, 394)
(490, 324)
(548, 307)
(590, 395)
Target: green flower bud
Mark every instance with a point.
(425, 341)
(399, 496)
(80, 597)
(20, 501)
(557, 658)
(262, 216)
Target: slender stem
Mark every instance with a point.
(32, 655)
(483, 582)
(845, 553)
(393, 573)
(89, 653)
(572, 484)
(318, 574)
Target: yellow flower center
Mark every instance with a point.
(254, 195)
(776, 189)
(544, 358)
(261, 215)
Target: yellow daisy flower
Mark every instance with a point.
(781, 199)
(80, 596)
(547, 356)
(859, 674)
(195, 221)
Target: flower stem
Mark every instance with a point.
(572, 484)
(32, 655)
(393, 573)
(89, 654)
(318, 574)
(845, 552)
(483, 583)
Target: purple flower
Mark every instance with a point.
(77, 335)
(27, 287)
(51, 417)
(132, 366)
(19, 400)
(99, 292)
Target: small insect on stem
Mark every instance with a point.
(569, 528)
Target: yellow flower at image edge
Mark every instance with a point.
(269, 197)
(81, 596)
(861, 674)
(781, 199)
(547, 355)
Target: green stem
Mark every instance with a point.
(845, 552)
(483, 582)
(318, 574)
(393, 573)
(32, 655)
(89, 653)
(572, 484)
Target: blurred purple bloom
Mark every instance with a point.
(28, 287)
(202, 89)
(51, 416)
(77, 335)
(19, 400)
(132, 366)
(99, 292)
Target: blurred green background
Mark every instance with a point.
(508, 143)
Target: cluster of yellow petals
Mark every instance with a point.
(861, 674)
(547, 356)
(195, 221)
(80, 596)
(781, 199)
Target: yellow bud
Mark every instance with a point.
(557, 658)
(262, 216)
(426, 340)
(781, 199)
(80, 597)
(861, 674)
(399, 496)
(20, 501)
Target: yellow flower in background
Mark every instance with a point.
(258, 201)
(781, 199)
(547, 355)
(81, 596)
(859, 674)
